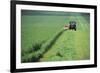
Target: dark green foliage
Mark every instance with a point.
(36, 46)
(58, 54)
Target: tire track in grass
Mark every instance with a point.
(82, 45)
(83, 37)
(79, 23)
(84, 22)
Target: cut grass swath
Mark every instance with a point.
(34, 57)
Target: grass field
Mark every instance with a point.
(43, 37)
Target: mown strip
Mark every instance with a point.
(35, 56)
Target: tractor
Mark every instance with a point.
(71, 26)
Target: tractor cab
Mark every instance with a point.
(72, 25)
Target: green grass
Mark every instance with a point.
(39, 31)
(72, 45)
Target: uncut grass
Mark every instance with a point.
(41, 29)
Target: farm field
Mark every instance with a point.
(44, 39)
